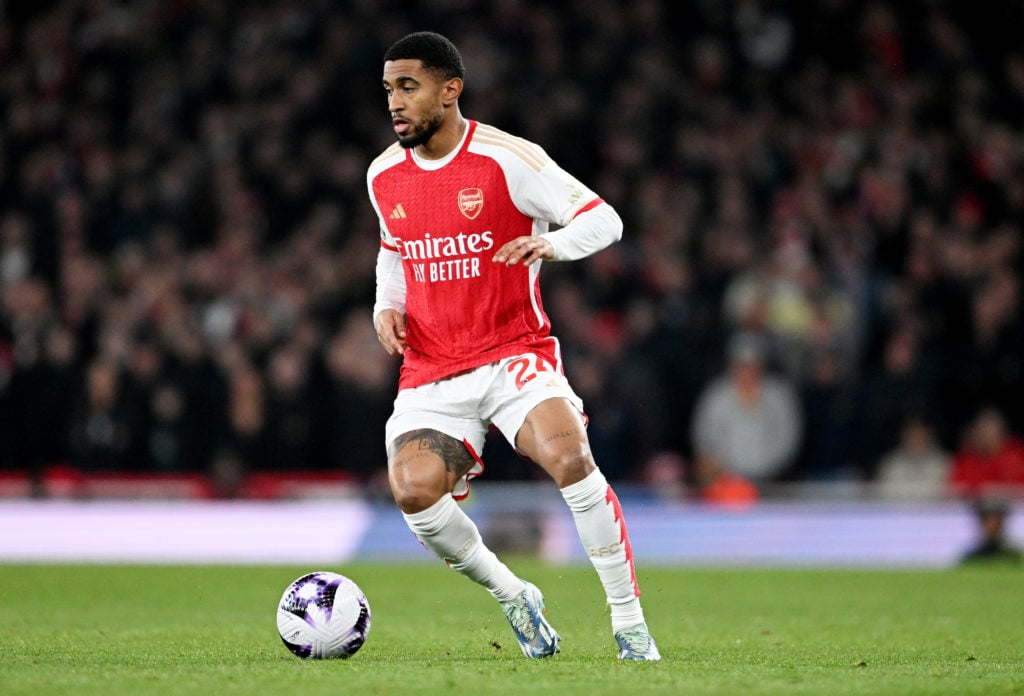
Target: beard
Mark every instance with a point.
(421, 132)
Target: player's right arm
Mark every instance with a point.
(390, 327)
(389, 303)
(389, 306)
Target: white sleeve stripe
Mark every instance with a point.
(492, 132)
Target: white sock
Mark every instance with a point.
(448, 532)
(602, 530)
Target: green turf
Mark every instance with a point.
(114, 630)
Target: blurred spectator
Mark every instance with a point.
(829, 404)
(291, 425)
(169, 442)
(748, 421)
(918, 468)
(990, 367)
(992, 545)
(716, 485)
(665, 475)
(900, 386)
(990, 461)
(359, 379)
(42, 392)
(101, 426)
(15, 248)
(245, 436)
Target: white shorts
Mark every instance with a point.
(501, 393)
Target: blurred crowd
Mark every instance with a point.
(819, 278)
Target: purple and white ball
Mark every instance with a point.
(323, 615)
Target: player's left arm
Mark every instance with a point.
(588, 224)
(587, 233)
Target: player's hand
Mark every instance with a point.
(525, 249)
(390, 327)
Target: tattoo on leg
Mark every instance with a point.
(556, 436)
(453, 453)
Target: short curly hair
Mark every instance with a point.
(437, 53)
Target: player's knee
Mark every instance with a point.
(415, 494)
(571, 466)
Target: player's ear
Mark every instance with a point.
(452, 90)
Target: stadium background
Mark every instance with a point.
(186, 252)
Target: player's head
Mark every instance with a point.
(423, 75)
(435, 52)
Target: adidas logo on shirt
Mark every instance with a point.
(398, 213)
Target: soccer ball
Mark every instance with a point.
(323, 615)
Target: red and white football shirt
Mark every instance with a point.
(445, 219)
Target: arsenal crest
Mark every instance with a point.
(471, 202)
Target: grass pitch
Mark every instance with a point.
(114, 630)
